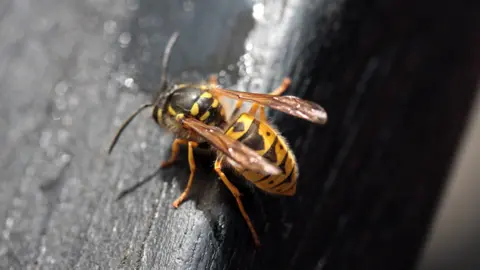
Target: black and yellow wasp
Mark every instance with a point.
(246, 143)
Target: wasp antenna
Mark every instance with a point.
(137, 185)
(125, 124)
(166, 57)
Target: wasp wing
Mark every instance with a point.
(237, 151)
(288, 104)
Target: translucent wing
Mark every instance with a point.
(288, 104)
(237, 151)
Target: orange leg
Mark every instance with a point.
(282, 88)
(173, 157)
(263, 115)
(253, 109)
(212, 84)
(277, 92)
(191, 161)
(236, 194)
(212, 80)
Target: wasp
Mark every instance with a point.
(248, 144)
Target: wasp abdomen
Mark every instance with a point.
(266, 141)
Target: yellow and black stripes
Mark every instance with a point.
(208, 109)
(200, 109)
(190, 101)
(284, 184)
(157, 114)
(267, 142)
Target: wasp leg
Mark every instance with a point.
(253, 109)
(191, 161)
(236, 194)
(282, 88)
(212, 80)
(213, 83)
(173, 157)
(277, 92)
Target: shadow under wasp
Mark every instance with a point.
(244, 142)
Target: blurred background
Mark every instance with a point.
(454, 239)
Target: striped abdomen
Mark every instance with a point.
(267, 142)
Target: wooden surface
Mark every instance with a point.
(397, 79)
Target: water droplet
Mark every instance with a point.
(128, 82)
(62, 160)
(258, 11)
(188, 6)
(50, 260)
(143, 145)
(110, 27)
(45, 139)
(124, 39)
(61, 88)
(109, 57)
(132, 4)
(9, 223)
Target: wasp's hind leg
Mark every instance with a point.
(282, 88)
(277, 92)
(212, 80)
(191, 162)
(236, 194)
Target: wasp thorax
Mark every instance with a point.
(189, 101)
